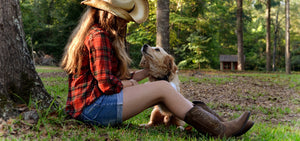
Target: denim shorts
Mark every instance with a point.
(105, 111)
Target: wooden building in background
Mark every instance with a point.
(228, 62)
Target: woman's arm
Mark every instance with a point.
(129, 83)
(140, 74)
(137, 76)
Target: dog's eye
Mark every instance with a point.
(157, 49)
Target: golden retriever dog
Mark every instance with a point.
(161, 66)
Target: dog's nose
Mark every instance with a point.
(145, 46)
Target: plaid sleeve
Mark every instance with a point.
(101, 54)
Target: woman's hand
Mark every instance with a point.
(129, 83)
(140, 74)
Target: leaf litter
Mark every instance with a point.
(267, 101)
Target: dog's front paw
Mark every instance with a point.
(147, 125)
(181, 128)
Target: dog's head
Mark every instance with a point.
(161, 65)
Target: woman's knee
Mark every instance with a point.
(163, 88)
(162, 85)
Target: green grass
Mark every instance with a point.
(292, 80)
(212, 80)
(57, 87)
(55, 126)
(264, 131)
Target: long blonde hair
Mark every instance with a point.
(74, 49)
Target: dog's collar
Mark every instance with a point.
(173, 85)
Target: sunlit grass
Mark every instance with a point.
(292, 80)
(57, 87)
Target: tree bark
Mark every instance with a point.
(239, 22)
(163, 27)
(268, 36)
(19, 82)
(275, 40)
(287, 38)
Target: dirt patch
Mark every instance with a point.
(52, 74)
(267, 101)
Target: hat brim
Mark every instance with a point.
(139, 14)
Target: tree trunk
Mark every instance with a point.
(275, 40)
(268, 36)
(287, 38)
(19, 82)
(239, 22)
(162, 27)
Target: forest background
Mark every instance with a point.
(200, 31)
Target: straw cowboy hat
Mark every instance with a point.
(130, 10)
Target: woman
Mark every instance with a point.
(102, 91)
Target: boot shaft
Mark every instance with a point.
(204, 121)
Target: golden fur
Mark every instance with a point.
(161, 66)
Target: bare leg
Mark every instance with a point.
(138, 98)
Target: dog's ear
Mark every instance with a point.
(169, 60)
(144, 63)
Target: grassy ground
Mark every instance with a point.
(56, 126)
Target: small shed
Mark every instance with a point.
(228, 62)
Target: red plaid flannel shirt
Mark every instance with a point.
(98, 73)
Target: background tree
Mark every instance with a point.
(287, 38)
(48, 24)
(295, 34)
(276, 26)
(239, 23)
(268, 35)
(19, 82)
(140, 34)
(200, 30)
(190, 35)
(162, 25)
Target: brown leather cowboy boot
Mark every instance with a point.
(206, 123)
(247, 127)
(206, 108)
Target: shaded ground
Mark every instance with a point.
(230, 95)
(270, 100)
(267, 101)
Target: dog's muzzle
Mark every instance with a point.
(145, 47)
(144, 50)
